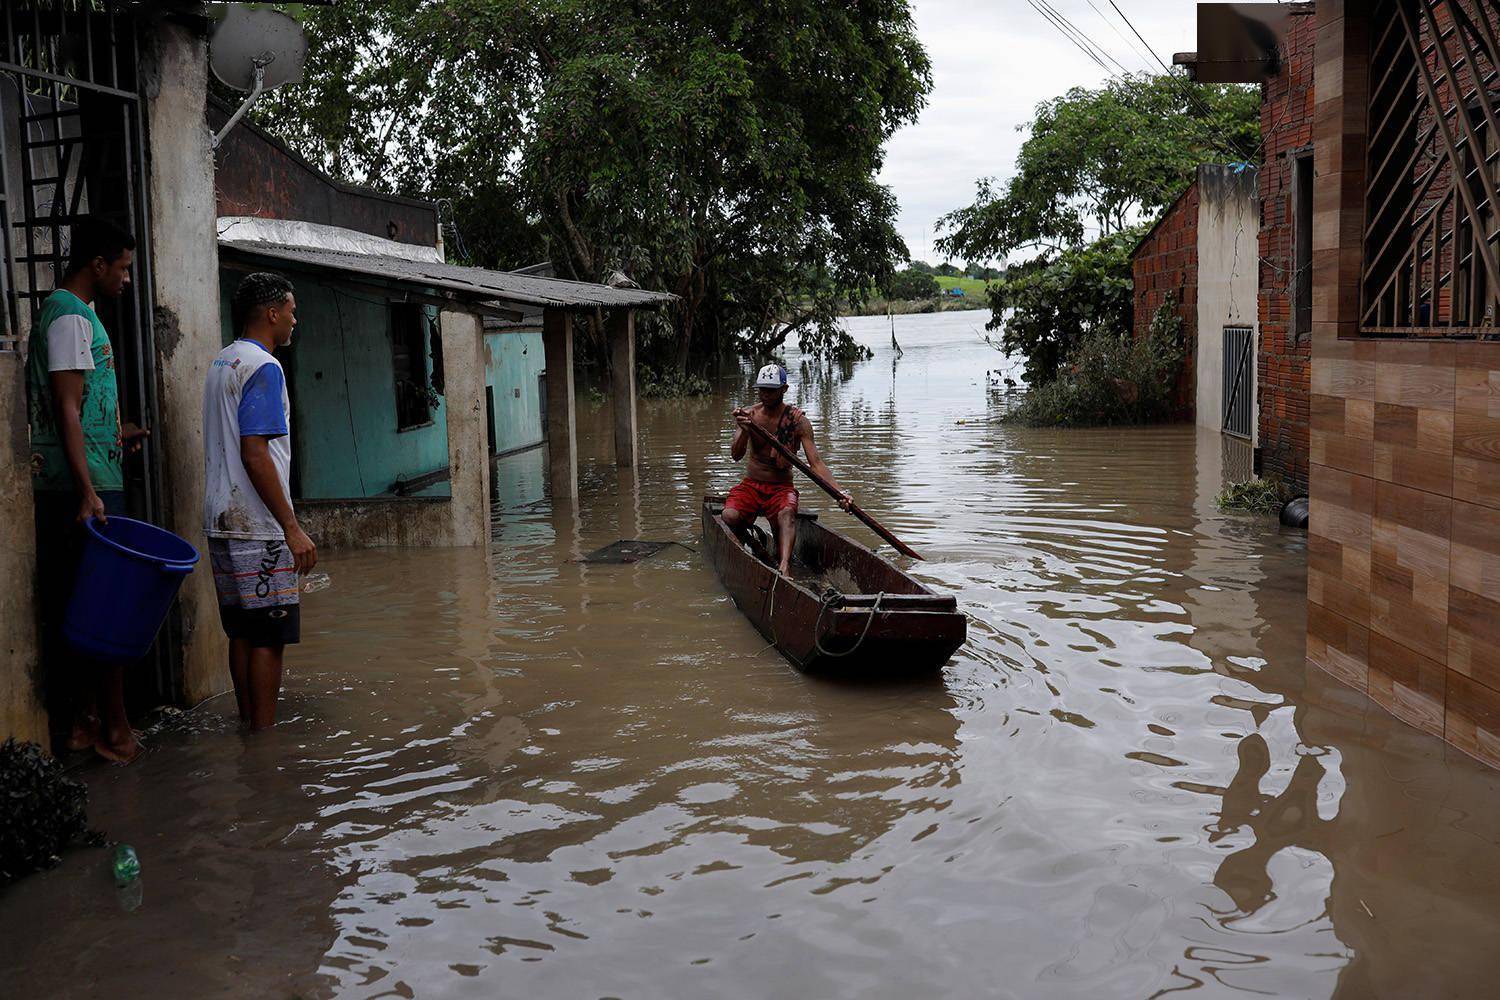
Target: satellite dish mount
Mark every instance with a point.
(255, 50)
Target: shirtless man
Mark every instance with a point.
(767, 490)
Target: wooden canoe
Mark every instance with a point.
(824, 617)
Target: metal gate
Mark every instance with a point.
(1239, 380)
(71, 129)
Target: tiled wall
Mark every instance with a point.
(1403, 576)
(1404, 545)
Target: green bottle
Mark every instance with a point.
(127, 866)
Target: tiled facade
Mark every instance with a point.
(1404, 544)
(1285, 353)
(1166, 263)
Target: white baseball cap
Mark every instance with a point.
(771, 377)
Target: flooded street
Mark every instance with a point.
(523, 776)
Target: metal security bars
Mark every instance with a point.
(1239, 388)
(70, 145)
(1431, 259)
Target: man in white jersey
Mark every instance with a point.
(257, 548)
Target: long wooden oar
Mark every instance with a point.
(828, 488)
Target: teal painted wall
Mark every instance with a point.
(343, 388)
(513, 362)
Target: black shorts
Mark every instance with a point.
(280, 625)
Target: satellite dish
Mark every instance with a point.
(255, 50)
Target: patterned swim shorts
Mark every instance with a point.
(253, 574)
(259, 594)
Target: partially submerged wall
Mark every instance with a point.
(378, 522)
(1166, 264)
(1403, 575)
(186, 289)
(341, 379)
(1228, 244)
(21, 712)
(513, 363)
(1284, 363)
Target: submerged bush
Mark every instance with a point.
(669, 384)
(1112, 378)
(42, 811)
(1258, 496)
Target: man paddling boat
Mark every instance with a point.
(767, 490)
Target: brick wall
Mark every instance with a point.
(1166, 263)
(1284, 358)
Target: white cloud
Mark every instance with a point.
(992, 63)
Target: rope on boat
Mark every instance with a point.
(833, 599)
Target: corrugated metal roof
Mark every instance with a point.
(473, 283)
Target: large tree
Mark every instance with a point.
(1097, 161)
(1095, 165)
(725, 152)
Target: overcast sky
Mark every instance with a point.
(993, 61)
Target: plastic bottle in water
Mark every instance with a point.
(126, 865)
(314, 582)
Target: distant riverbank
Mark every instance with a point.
(903, 307)
(974, 297)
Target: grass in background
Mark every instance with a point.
(973, 287)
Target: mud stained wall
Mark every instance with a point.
(513, 365)
(413, 522)
(1228, 244)
(1284, 359)
(185, 278)
(21, 712)
(341, 378)
(1403, 575)
(1166, 263)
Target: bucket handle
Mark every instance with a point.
(179, 568)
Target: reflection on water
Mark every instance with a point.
(520, 775)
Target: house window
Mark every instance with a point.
(409, 361)
(1302, 224)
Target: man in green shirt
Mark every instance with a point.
(77, 451)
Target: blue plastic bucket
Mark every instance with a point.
(127, 579)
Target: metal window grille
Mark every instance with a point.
(1431, 258)
(1239, 379)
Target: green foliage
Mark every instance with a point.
(1112, 378)
(1256, 496)
(44, 811)
(1096, 159)
(912, 284)
(669, 384)
(1048, 306)
(723, 152)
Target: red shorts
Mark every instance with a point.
(757, 499)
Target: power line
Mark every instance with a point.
(1116, 29)
(1064, 32)
(1083, 35)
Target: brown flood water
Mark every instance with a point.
(526, 777)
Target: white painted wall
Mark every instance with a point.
(1228, 278)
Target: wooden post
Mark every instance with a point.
(468, 440)
(622, 385)
(562, 436)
